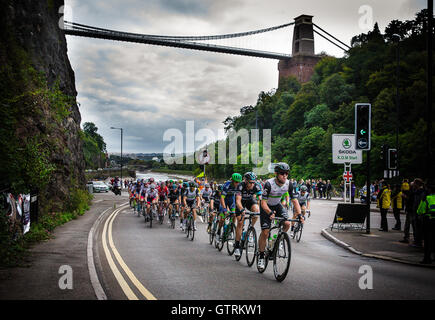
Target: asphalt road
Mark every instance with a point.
(161, 263)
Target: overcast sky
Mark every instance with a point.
(148, 89)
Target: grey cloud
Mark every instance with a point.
(148, 89)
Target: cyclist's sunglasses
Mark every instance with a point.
(250, 182)
(283, 173)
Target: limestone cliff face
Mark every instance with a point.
(38, 95)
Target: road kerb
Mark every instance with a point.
(346, 246)
(98, 289)
(340, 243)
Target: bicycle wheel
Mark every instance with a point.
(151, 219)
(220, 244)
(241, 247)
(299, 235)
(173, 222)
(187, 227)
(295, 230)
(191, 230)
(266, 261)
(281, 257)
(251, 246)
(212, 233)
(231, 240)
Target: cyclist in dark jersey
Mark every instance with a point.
(228, 200)
(246, 197)
(183, 188)
(214, 204)
(174, 194)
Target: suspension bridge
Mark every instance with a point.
(300, 63)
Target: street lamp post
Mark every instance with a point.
(396, 36)
(121, 150)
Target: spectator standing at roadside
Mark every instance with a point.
(408, 197)
(314, 187)
(308, 184)
(384, 197)
(426, 210)
(405, 189)
(397, 204)
(300, 184)
(342, 188)
(329, 190)
(352, 192)
(419, 195)
(320, 186)
(376, 184)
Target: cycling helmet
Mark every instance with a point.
(151, 179)
(250, 176)
(174, 186)
(207, 185)
(304, 188)
(186, 184)
(192, 184)
(282, 167)
(220, 187)
(237, 177)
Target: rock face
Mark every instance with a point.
(32, 28)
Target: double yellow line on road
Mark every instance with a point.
(107, 230)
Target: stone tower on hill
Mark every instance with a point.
(303, 60)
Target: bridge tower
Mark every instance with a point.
(301, 64)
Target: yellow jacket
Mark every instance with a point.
(405, 186)
(398, 198)
(385, 198)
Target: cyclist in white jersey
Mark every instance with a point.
(191, 200)
(271, 204)
(304, 202)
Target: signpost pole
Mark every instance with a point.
(368, 195)
(345, 185)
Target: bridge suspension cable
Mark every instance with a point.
(183, 38)
(341, 42)
(179, 42)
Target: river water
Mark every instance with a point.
(161, 176)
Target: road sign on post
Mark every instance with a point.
(347, 175)
(343, 149)
(362, 126)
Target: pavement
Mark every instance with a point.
(43, 273)
(377, 244)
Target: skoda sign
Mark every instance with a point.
(343, 149)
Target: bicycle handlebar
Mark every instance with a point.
(250, 213)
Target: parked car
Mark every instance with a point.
(99, 186)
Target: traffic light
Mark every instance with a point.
(393, 159)
(384, 156)
(362, 126)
